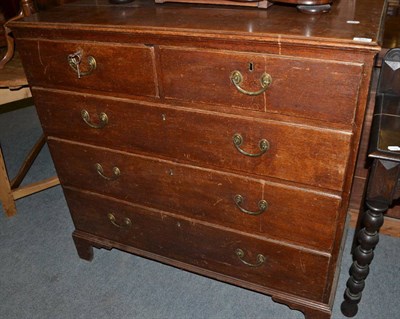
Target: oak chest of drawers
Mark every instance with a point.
(222, 141)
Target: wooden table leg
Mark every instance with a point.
(6, 196)
(382, 185)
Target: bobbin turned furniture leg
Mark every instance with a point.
(368, 238)
(382, 184)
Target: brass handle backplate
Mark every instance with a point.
(126, 222)
(263, 145)
(100, 171)
(260, 258)
(237, 79)
(103, 119)
(74, 61)
(262, 206)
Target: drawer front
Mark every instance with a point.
(281, 267)
(296, 153)
(278, 211)
(126, 69)
(308, 88)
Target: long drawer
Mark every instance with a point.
(116, 68)
(308, 88)
(299, 153)
(279, 211)
(265, 263)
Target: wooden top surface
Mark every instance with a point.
(349, 23)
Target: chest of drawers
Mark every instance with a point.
(222, 141)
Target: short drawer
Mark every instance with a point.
(244, 257)
(308, 88)
(299, 153)
(279, 211)
(125, 69)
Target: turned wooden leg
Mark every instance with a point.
(382, 185)
(368, 238)
(83, 247)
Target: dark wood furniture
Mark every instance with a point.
(384, 177)
(213, 139)
(391, 39)
(391, 35)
